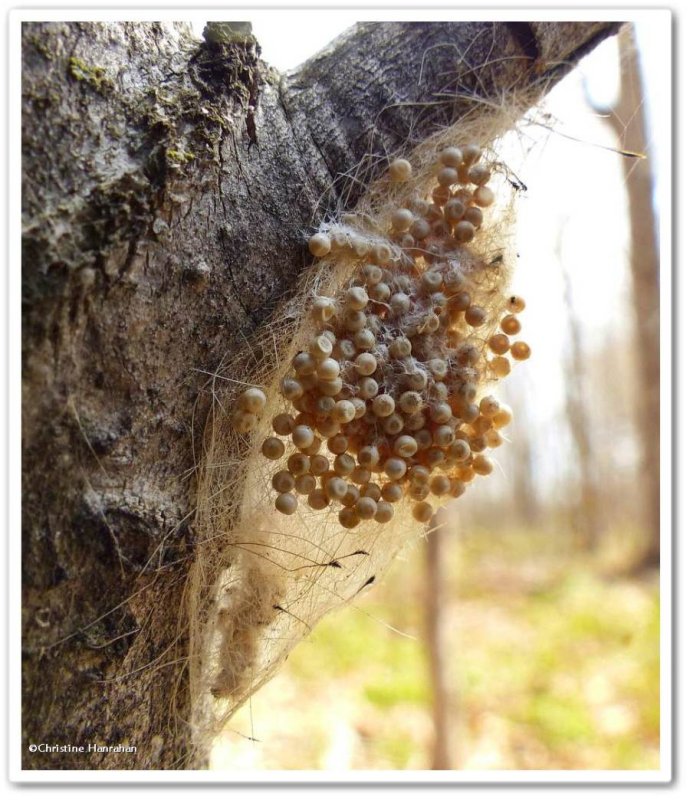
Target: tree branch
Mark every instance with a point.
(168, 185)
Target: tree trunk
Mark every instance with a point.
(167, 188)
(434, 619)
(628, 120)
(585, 511)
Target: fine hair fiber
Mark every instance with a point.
(261, 580)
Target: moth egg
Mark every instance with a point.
(318, 465)
(356, 298)
(372, 490)
(405, 446)
(392, 492)
(489, 406)
(464, 231)
(475, 316)
(438, 368)
(323, 308)
(328, 427)
(420, 229)
(503, 417)
(354, 320)
(447, 176)
(415, 422)
(384, 512)
(360, 475)
(364, 339)
(482, 465)
(318, 499)
(380, 293)
(372, 274)
(320, 348)
(515, 304)
(520, 351)
(479, 174)
(303, 364)
(336, 488)
(273, 448)
(343, 464)
(400, 304)
(400, 347)
(331, 388)
(457, 488)
(328, 369)
(383, 405)
(440, 195)
(443, 435)
(337, 444)
(298, 464)
(410, 402)
(483, 196)
(474, 216)
(418, 474)
(283, 481)
(360, 407)
(366, 364)
(499, 343)
(324, 406)
(286, 503)
(511, 325)
(366, 507)
(302, 436)
(348, 518)
(367, 388)
(422, 512)
(400, 170)
(471, 153)
(368, 456)
(451, 157)
(401, 219)
(343, 412)
(439, 485)
(320, 245)
(440, 412)
(252, 400)
(418, 491)
(382, 253)
(459, 450)
(305, 484)
(283, 424)
(395, 468)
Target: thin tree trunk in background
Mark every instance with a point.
(521, 454)
(628, 119)
(434, 616)
(586, 512)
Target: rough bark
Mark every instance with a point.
(167, 187)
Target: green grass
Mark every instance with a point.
(552, 664)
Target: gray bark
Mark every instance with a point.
(167, 188)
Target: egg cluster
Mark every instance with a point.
(384, 402)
